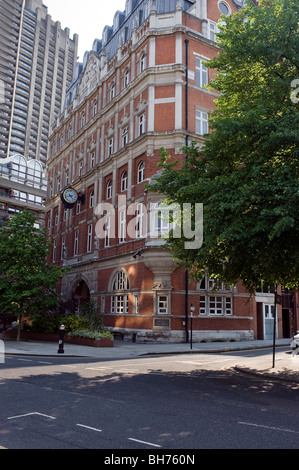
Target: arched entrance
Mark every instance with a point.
(81, 295)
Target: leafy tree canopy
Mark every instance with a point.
(27, 280)
(246, 173)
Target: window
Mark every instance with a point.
(112, 92)
(140, 221)
(202, 125)
(142, 124)
(122, 226)
(82, 119)
(212, 29)
(76, 243)
(124, 181)
(92, 159)
(54, 250)
(224, 8)
(69, 133)
(80, 168)
(140, 173)
(110, 147)
(125, 136)
(214, 301)
(119, 298)
(91, 199)
(142, 63)
(94, 108)
(162, 305)
(63, 248)
(89, 238)
(201, 73)
(109, 189)
(107, 232)
(126, 78)
(78, 207)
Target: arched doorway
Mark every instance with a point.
(81, 295)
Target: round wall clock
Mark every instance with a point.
(70, 196)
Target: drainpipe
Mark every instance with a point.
(187, 139)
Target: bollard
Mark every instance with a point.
(61, 340)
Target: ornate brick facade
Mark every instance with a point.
(131, 97)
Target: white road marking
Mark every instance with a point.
(88, 427)
(143, 442)
(25, 360)
(47, 363)
(269, 427)
(31, 414)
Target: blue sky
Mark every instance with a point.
(87, 18)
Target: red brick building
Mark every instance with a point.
(139, 89)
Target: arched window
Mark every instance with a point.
(124, 181)
(140, 174)
(120, 290)
(34, 173)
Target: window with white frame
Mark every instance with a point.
(94, 108)
(54, 250)
(142, 62)
(212, 30)
(89, 238)
(142, 122)
(76, 243)
(139, 221)
(201, 122)
(110, 147)
(92, 160)
(80, 168)
(162, 304)
(107, 232)
(122, 226)
(112, 92)
(69, 132)
(124, 181)
(109, 190)
(201, 73)
(125, 136)
(78, 207)
(126, 78)
(62, 247)
(91, 198)
(82, 119)
(215, 301)
(119, 297)
(140, 172)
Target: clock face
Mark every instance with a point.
(70, 195)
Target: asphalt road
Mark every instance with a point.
(177, 403)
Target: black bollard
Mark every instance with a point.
(61, 340)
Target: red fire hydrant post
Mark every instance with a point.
(61, 340)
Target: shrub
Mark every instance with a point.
(91, 334)
(51, 323)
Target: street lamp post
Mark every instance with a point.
(61, 340)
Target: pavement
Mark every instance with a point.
(286, 364)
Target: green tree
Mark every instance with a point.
(246, 174)
(27, 280)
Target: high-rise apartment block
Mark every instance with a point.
(37, 63)
(141, 88)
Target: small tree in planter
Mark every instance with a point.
(27, 280)
(90, 312)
